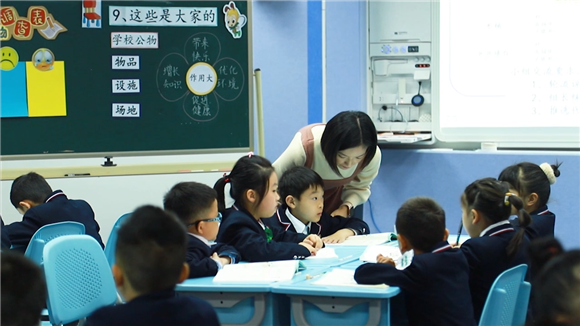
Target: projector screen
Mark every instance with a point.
(509, 71)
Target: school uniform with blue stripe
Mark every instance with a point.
(487, 258)
(156, 308)
(543, 223)
(242, 231)
(435, 286)
(56, 208)
(198, 256)
(326, 226)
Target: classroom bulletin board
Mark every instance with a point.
(100, 78)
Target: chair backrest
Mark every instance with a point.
(521, 311)
(112, 241)
(508, 299)
(78, 278)
(48, 233)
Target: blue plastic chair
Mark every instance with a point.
(522, 302)
(78, 278)
(48, 233)
(507, 301)
(112, 241)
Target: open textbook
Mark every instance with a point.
(341, 277)
(366, 239)
(263, 272)
(401, 261)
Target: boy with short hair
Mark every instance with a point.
(302, 194)
(33, 197)
(195, 204)
(149, 262)
(436, 284)
(23, 290)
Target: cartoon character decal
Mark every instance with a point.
(43, 59)
(234, 19)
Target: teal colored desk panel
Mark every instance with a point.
(255, 303)
(249, 304)
(337, 305)
(239, 304)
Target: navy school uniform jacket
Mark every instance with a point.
(156, 309)
(56, 208)
(435, 286)
(487, 258)
(326, 226)
(244, 233)
(543, 223)
(198, 257)
(5, 238)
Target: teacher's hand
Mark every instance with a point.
(341, 211)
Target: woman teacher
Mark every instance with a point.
(343, 152)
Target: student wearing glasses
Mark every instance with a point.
(195, 204)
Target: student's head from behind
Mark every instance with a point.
(23, 290)
(302, 190)
(349, 138)
(556, 291)
(150, 252)
(531, 182)
(541, 251)
(254, 184)
(420, 224)
(29, 190)
(195, 204)
(488, 201)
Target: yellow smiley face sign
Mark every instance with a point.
(9, 58)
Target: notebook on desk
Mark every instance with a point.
(401, 260)
(263, 272)
(324, 256)
(366, 239)
(341, 277)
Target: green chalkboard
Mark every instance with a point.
(191, 89)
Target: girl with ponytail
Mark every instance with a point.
(495, 245)
(254, 187)
(532, 183)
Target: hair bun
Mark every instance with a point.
(550, 172)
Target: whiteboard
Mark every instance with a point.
(507, 72)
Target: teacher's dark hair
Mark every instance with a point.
(349, 129)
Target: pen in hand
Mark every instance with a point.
(459, 233)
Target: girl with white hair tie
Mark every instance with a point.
(531, 182)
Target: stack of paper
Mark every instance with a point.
(366, 239)
(341, 277)
(324, 255)
(265, 272)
